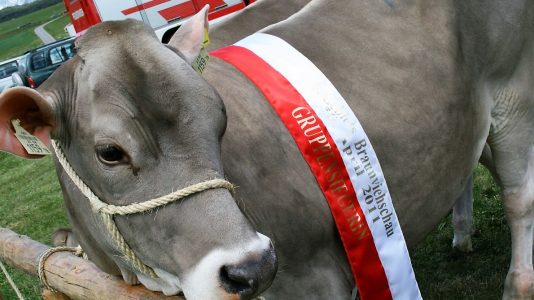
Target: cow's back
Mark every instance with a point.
(251, 19)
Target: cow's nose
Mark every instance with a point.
(251, 276)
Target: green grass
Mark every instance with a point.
(444, 274)
(17, 36)
(30, 204)
(56, 27)
(16, 44)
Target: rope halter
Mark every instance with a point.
(107, 211)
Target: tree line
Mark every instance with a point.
(12, 12)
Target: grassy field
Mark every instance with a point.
(56, 27)
(444, 274)
(30, 204)
(16, 36)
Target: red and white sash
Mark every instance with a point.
(340, 156)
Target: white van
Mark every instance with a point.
(7, 68)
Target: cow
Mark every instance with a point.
(430, 83)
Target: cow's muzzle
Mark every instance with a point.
(251, 276)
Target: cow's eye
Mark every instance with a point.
(110, 154)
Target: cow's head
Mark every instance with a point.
(137, 122)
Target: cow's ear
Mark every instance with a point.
(189, 37)
(35, 114)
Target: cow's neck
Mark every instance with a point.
(256, 144)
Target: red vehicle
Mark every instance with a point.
(164, 16)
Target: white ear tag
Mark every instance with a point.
(203, 57)
(31, 143)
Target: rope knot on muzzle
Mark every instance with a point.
(107, 211)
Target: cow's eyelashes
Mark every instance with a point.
(110, 154)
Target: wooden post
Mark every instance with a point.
(51, 295)
(75, 277)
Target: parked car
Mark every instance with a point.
(38, 64)
(7, 68)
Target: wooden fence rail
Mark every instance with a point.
(75, 277)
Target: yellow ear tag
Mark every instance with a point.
(206, 38)
(203, 57)
(31, 143)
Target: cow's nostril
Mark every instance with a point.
(236, 280)
(251, 276)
